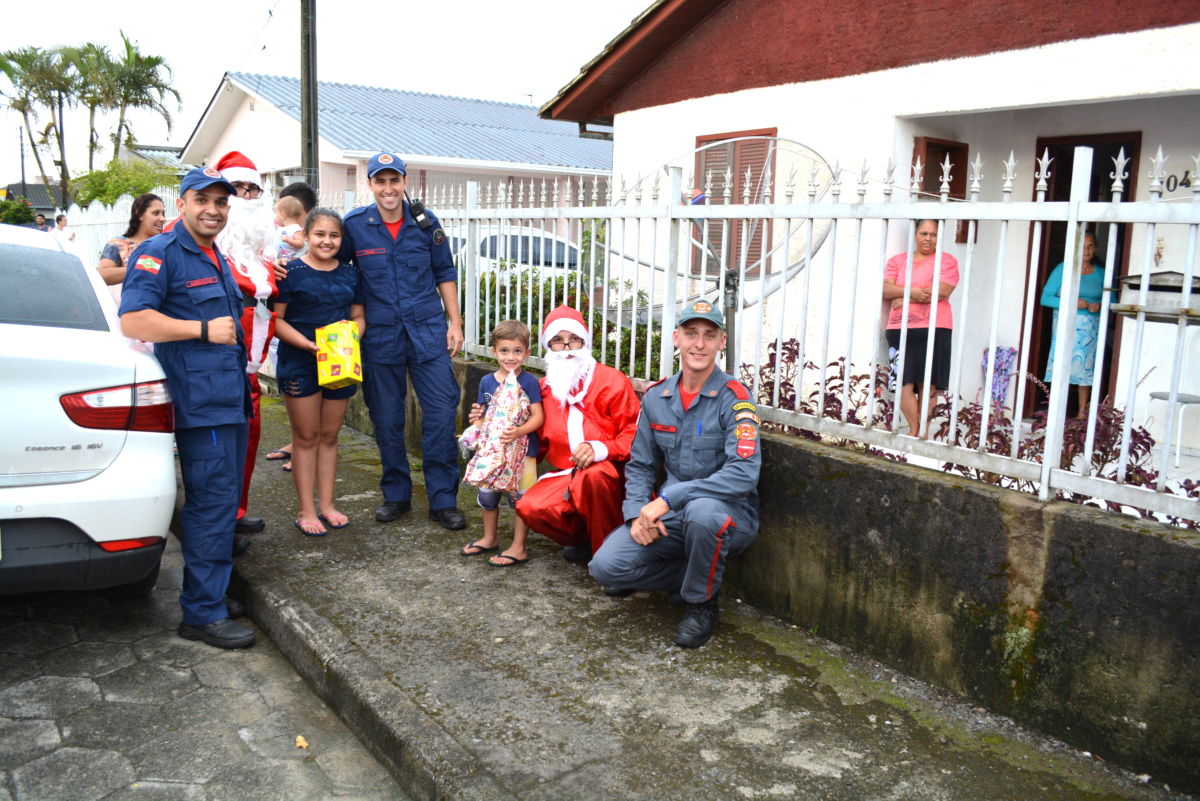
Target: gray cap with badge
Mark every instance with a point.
(701, 310)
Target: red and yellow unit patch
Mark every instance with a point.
(149, 264)
(702, 307)
(211, 173)
(747, 439)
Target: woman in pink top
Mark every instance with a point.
(920, 309)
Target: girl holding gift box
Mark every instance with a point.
(319, 290)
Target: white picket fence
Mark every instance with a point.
(97, 223)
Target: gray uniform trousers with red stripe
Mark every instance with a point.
(690, 560)
(711, 458)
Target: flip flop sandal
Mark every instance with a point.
(512, 560)
(287, 468)
(300, 527)
(325, 519)
(271, 457)
(479, 549)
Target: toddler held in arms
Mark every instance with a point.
(288, 216)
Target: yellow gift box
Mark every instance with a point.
(339, 362)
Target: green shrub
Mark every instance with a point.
(530, 295)
(16, 211)
(134, 177)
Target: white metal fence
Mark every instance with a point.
(799, 270)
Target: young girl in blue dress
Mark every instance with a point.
(318, 291)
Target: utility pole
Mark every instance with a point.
(309, 131)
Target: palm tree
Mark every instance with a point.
(20, 66)
(96, 89)
(54, 82)
(143, 82)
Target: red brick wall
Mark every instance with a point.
(754, 43)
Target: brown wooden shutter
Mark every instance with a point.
(723, 153)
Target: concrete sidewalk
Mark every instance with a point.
(474, 682)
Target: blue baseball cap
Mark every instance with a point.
(385, 161)
(701, 310)
(202, 178)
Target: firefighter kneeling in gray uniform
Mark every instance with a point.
(700, 427)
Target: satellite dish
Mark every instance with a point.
(744, 169)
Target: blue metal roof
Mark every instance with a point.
(370, 118)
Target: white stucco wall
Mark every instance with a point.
(1144, 82)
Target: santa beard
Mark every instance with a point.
(249, 240)
(568, 370)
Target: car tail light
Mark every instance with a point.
(128, 545)
(133, 407)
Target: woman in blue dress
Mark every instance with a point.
(1087, 321)
(317, 291)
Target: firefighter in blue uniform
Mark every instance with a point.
(181, 295)
(407, 285)
(700, 428)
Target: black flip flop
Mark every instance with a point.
(271, 457)
(479, 549)
(512, 560)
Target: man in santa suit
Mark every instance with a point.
(248, 244)
(591, 418)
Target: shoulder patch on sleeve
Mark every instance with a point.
(148, 263)
(738, 389)
(744, 405)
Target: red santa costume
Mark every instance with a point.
(597, 405)
(248, 244)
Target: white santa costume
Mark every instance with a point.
(580, 507)
(248, 243)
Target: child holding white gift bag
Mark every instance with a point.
(504, 420)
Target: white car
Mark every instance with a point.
(518, 246)
(87, 471)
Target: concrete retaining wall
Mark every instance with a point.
(1082, 623)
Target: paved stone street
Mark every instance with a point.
(99, 699)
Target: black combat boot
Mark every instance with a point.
(697, 624)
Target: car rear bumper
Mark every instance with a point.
(46, 554)
(133, 497)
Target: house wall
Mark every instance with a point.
(755, 43)
(1142, 81)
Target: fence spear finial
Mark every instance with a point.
(1010, 172)
(944, 188)
(1156, 172)
(1043, 171)
(1119, 174)
(976, 175)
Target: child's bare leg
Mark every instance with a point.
(491, 523)
(333, 412)
(520, 535)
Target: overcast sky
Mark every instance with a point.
(520, 51)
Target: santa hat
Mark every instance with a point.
(234, 166)
(564, 319)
